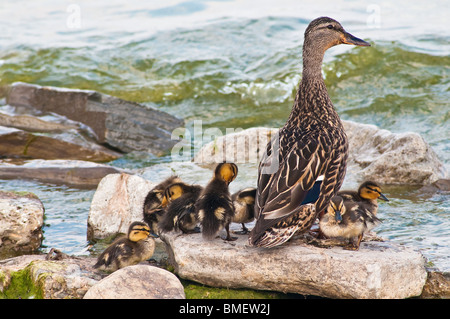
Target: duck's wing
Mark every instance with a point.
(281, 193)
(299, 165)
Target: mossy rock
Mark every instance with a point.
(19, 285)
(195, 290)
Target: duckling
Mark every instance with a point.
(153, 210)
(348, 219)
(244, 207)
(368, 193)
(179, 200)
(128, 250)
(312, 143)
(214, 206)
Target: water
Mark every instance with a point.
(236, 64)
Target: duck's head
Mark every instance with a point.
(138, 231)
(336, 208)
(323, 33)
(172, 192)
(226, 172)
(371, 190)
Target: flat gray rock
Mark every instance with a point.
(77, 174)
(124, 125)
(377, 270)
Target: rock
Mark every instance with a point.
(32, 124)
(437, 285)
(32, 276)
(138, 282)
(77, 174)
(392, 158)
(21, 144)
(377, 270)
(124, 125)
(118, 202)
(246, 146)
(388, 158)
(439, 186)
(21, 221)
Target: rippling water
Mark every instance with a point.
(236, 64)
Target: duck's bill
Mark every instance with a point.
(383, 197)
(350, 39)
(337, 216)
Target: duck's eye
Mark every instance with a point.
(330, 26)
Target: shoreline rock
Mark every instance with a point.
(21, 222)
(36, 276)
(124, 125)
(377, 270)
(374, 153)
(25, 145)
(117, 203)
(138, 282)
(77, 174)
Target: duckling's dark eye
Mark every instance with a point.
(330, 26)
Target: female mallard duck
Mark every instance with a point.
(179, 200)
(368, 193)
(244, 207)
(311, 144)
(128, 250)
(214, 206)
(153, 210)
(348, 219)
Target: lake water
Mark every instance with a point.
(236, 64)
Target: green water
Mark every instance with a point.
(231, 66)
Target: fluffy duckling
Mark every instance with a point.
(348, 219)
(368, 193)
(179, 200)
(128, 250)
(215, 207)
(244, 207)
(153, 210)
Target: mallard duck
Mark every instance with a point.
(153, 210)
(348, 219)
(214, 206)
(368, 193)
(179, 200)
(311, 144)
(128, 250)
(244, 207)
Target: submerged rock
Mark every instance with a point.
(118, 202)
(138, 282)
(21, 221)
(124, 125)
(77, 174)
(376, 270)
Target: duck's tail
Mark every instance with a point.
(212, 223)
(283, 230)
